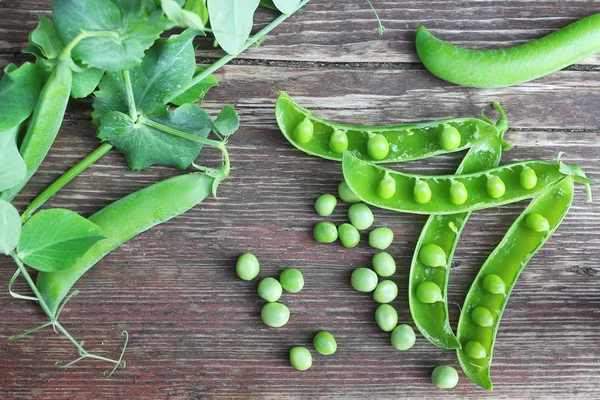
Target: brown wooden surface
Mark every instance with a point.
(195, 327)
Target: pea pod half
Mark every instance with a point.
(124, 219)
(489, 293)
(382, 144)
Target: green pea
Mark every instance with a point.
(291, 280)
(360, 216)
(492, 283)
(325, 232)
(474, 349)
(386, 189)
(364, 279)
(444, 377)
(247, 267)
(537, 223)
(450, 138)
(384, 264)
(458, 193)
(482, 317)
(432, 255)
(325, 204)
(269, 289)
(346, 194)
(304, 131)
(338, 142)
(403, 337)
(386, 317)
(421, 192)
(300, 358)
(385, 291)
(349, 235)
(528, 178)
(429, 292)
(325, 343)
(495, 187)
(275, 315)
(377, 147)
(381, 238)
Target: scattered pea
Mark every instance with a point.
(421, 192)
(346, 194)
(338, 142)
(270, 289)
(458, 193)
(385, 291)
(247, 267)
(349, 235)
(492, 283)
(432, 255)
(325, 343)
(495, 187)
(291, 280)
(300, 358)
(528, 178)
(450, 138)
(429, 292)
(360, 216)
(304, 131)
(474, 349)
(403, 337)
(444, 377)
(377, 146)
(386, 189)
(325, 232)
(325, 204)
(275, 315)
(381, 238)
(386, 317)
(482, 317)
(364, 279)
(537, 223)
(384, 264)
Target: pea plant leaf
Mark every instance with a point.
(53, 240)
(231, 22)
(228, 122)
(268, 4)
(12, 166)
(19, 92)
(286, 6)
(184, 17)
(46, 39)
(10, 227)
(196, 93)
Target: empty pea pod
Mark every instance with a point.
(487, 298)
(379, 143)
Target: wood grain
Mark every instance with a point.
(195, 327)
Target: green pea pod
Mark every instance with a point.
(45, 122)
(382, 144)
(444, 231)
(124, 219)
(487, 298)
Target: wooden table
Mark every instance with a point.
(195, 327)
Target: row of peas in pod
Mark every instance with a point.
(479, 183)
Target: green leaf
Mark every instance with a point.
(12, 165)
(197, 92)
(46, 39)
(19, 92)
(144, 146)
(286, 6)
(10, 227)
(231, 22)
(85, 82)
(268, 4)
(198, 7)
(53, 240)
(228, 121)
(182, 17)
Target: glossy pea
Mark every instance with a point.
(458, 193)
(403, 337)
(275, 315)
(492, 283)
(429, 292)
(386, 317)
(247, 267)
(325, 232)
(269, 289)
(421, 192)
(291, 280)
(386, 189)
(377, 147)
(381, 238)
(450, 138)
(482, 317)
(384, 264)
(474, 349)
(495, 187)
(537, 223)
(349, 235)
(364, 279)
(304, 131)
(325, 343)
(361, 216)
(300, 358)
(338, 142)
(444, 377)
(528, 178)
(346, 194)
(325, 204)
(432, 255)
(386, 291)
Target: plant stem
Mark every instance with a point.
(65, 179)
(66, 53)
(224, 60)
(130, 97)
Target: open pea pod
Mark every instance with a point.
(381, 144)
